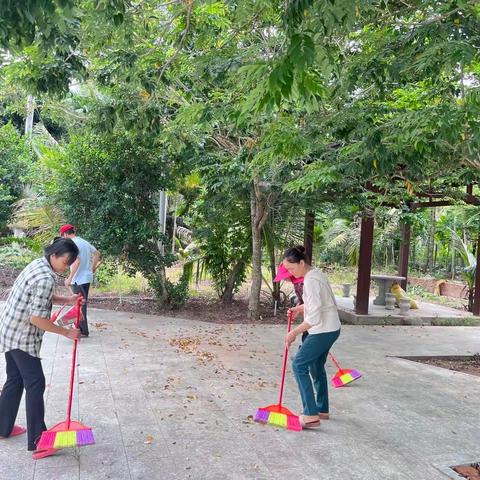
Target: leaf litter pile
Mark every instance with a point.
(226, 350)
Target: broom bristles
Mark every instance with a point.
(277, 419)
(47, 440)
(346, 377)
(262, 416)
(66, 439)
(293, 423)
(290, 422)
(85, 437)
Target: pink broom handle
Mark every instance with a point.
(335, 362)
(74, 361)
(285, 355)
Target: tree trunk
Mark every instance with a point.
(430, 243)
(404, 253)
(254, 300)
(260, 207)
(414, 253)
(273, 269)
(160, 285)
(29, 117)
(227, 296)
(308, 234)
(364, 263)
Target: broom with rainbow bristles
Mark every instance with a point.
(277, 414)
(344, 376)
(68, 433)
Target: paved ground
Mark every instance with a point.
(426, 314)
(173, 399)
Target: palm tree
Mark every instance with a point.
(469, 270)
(344, 235)
(34, 214)
(37, 217)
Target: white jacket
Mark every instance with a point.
(320, 306)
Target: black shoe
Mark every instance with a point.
(84, 334)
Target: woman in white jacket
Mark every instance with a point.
(320, 319)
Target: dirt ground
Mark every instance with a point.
(196, 308)
(471, 472)
(470, 365)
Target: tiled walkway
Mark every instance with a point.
(172, 399)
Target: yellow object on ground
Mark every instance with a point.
(400, 293)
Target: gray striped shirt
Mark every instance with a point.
(31, 295)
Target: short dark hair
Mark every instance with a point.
(296, 254)
(61, 246)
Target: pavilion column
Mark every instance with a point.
(308, 233)
(404, 253)
(476, 293)
(364, 263)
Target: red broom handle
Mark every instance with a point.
(335, 362)
(74, 361)
(285, 355)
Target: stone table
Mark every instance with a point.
(384, 283)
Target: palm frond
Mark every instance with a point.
(467, 256)
(38, 218)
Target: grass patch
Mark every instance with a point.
(456, 322)
(419, 293)
(124, 284)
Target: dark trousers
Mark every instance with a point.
(83, 289)
(23, 372)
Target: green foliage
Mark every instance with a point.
(16, 255)
(468, 258)
(48, 71)
(343, 238)
(178, 292)
(107, 270)
(20, 23)
(335, 105)
(108, 187)
(222, 223)
(47, 34)
(15, 161)
(25, 242)
(225, 245)
(47, 21)
(120, 214)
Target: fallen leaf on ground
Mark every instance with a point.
(149, 440)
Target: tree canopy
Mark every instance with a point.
(273, 106)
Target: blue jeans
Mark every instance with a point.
(311, 358)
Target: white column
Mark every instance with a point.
(162, 217)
